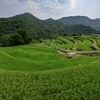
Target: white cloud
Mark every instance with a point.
(52, 4)
(30, 4)
(73, 3)
(56, 0)
(50, 8)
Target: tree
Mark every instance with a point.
(16, 40)
(23, 33)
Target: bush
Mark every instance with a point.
(20, 38)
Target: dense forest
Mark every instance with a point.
(37, 29)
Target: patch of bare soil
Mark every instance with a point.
(71, 54)
(91, 54)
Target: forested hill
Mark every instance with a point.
(40, 28)
(33, 25)
(84, 20)
(97, 19)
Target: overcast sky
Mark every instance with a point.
(55, 9)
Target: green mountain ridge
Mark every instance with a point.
(84, 20)
(97, 19)
(24, 21)
(41, 28)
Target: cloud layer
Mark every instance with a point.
(50, 8)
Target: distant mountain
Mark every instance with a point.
(97, 19)
(75, 20)
(44, 28)
(84, 20)
(50, 20)
(35, 26)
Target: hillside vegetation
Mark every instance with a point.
(41, 28)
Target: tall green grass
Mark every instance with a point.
(79, 82)
(86, 46)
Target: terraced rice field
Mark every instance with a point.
(83, 43)
(39, 72)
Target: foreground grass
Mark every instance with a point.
(77, 83)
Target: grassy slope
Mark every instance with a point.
(39, 73)
(37, 58)
(31, 58)
(81, 82)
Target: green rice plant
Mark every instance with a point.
(79, 43)
(69, 43)
(86, 46)
(77, 82)
(74, 43)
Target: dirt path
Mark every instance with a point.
(71, 54)
(66, 54)
(62, 52)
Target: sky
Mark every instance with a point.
(44, 9)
